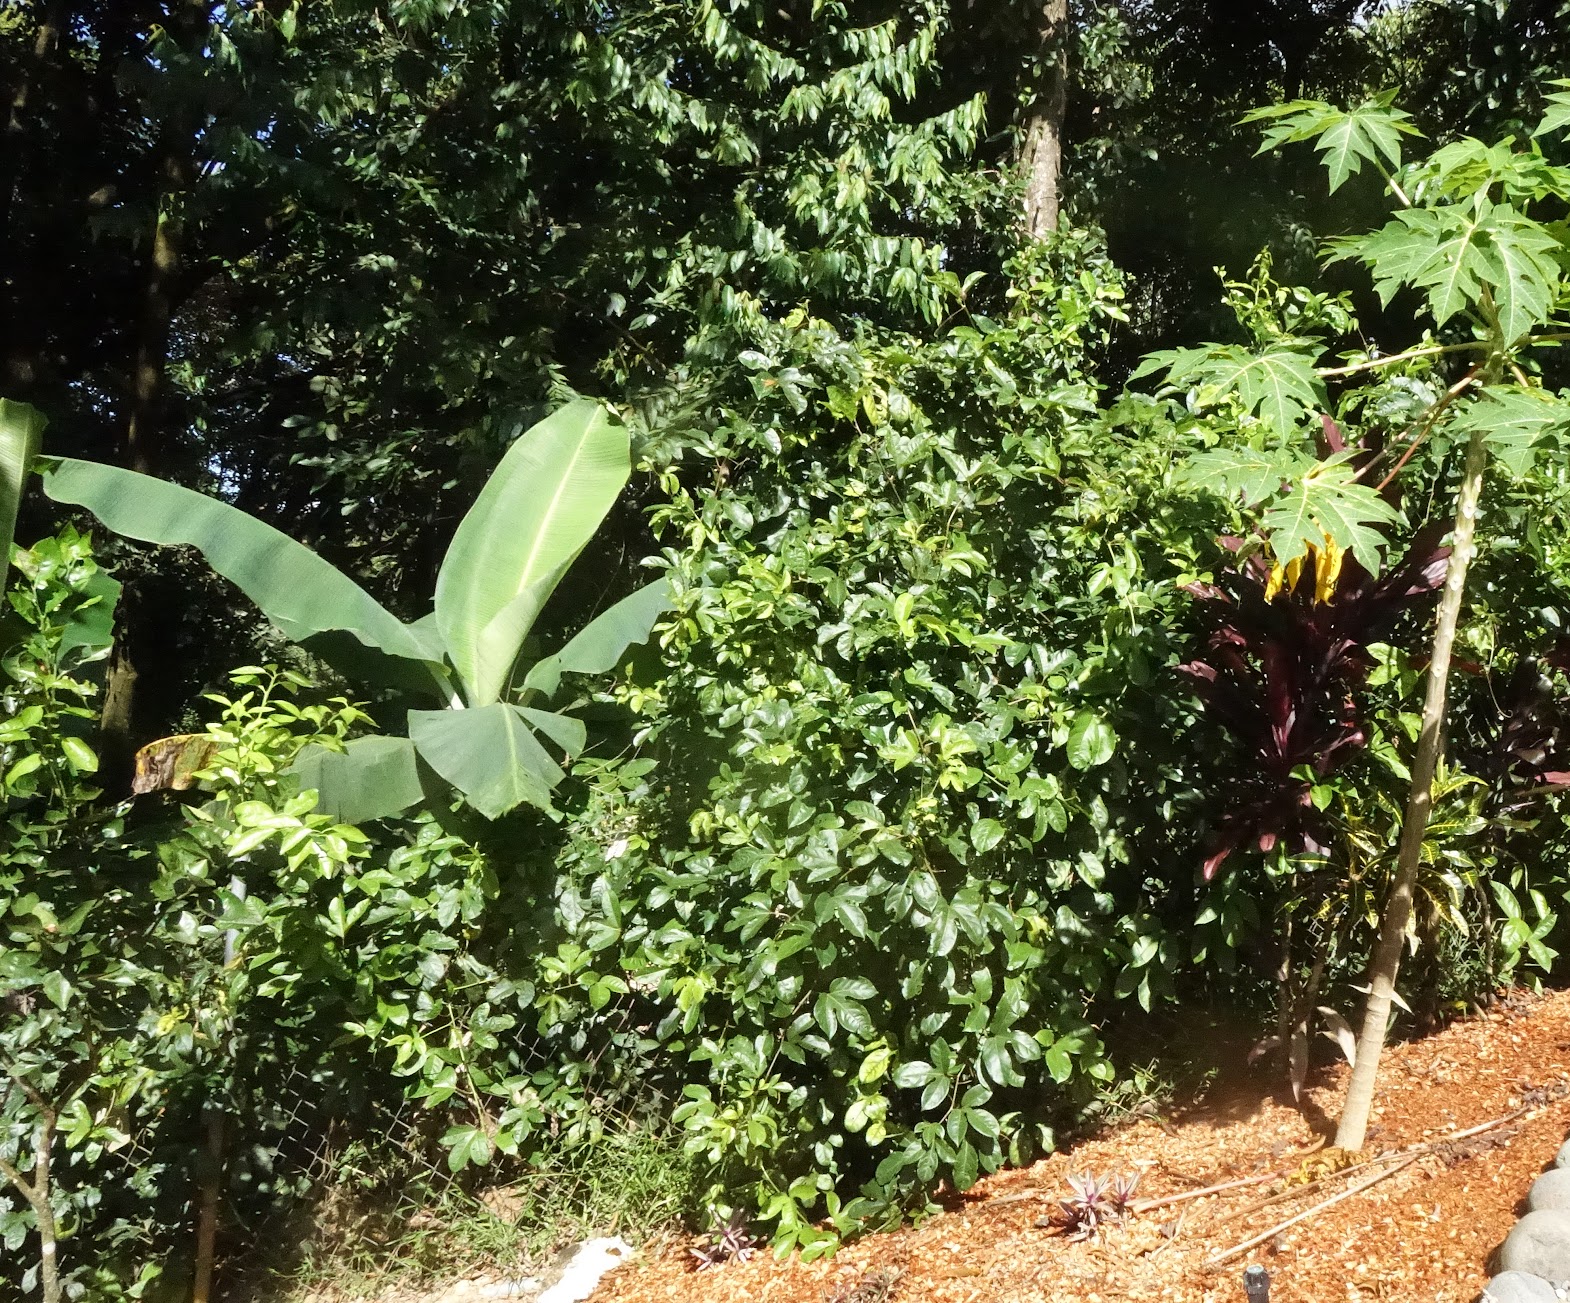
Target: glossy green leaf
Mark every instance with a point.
(1091, 741)
(79, 755)
(295, 589)
(986, 834)
(89, 627)
(532, 518)
(21, 431)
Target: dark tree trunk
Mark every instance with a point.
(19, 354)
(144, 435)
(141, 451)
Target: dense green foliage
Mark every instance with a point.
(1009, 715)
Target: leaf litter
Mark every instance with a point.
(1416, 1216)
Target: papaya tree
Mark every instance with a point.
(1478, 238)
(486, 727)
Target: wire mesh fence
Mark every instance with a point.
(327, 1171)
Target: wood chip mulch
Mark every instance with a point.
(1425, 1233)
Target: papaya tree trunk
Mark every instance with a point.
(1041, 152)
(1385, 963)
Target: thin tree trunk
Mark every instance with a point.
(176, 175)
(1385, 963)
(36, 1192)
(1041, 153)
(209, 1196)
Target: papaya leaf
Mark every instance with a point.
(1345, 138)
(1557, 115)
(1278, 385)
(1516, 422)
(1451, 253)
(1326, 502)
(1523, 269)
(1244, 473)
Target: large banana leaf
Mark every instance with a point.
(372, 778)
(598, 646)
(21, 429)
(489, 753)
(298, 591)
(533, 517)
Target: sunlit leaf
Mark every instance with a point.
(1516, 423)
(532, 518)
(599, 645)
(296, 589)
(1345, 138)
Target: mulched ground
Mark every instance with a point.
(1424, 1233)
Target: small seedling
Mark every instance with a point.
(728, 1241)
(1097, 1201)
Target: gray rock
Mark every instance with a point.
(1539, 1245)
(1518, 1287)
(1550, 1190)
(1562, 1158)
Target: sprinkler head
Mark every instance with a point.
(1256, 1284)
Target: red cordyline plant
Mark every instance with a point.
(1285, 658)
(1527, 756)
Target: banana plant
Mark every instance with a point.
(20, 429)
(487, 730)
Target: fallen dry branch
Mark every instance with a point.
(1416, 1151)
(1166, 1200)
(1217, 1259)
(1297, 1191)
